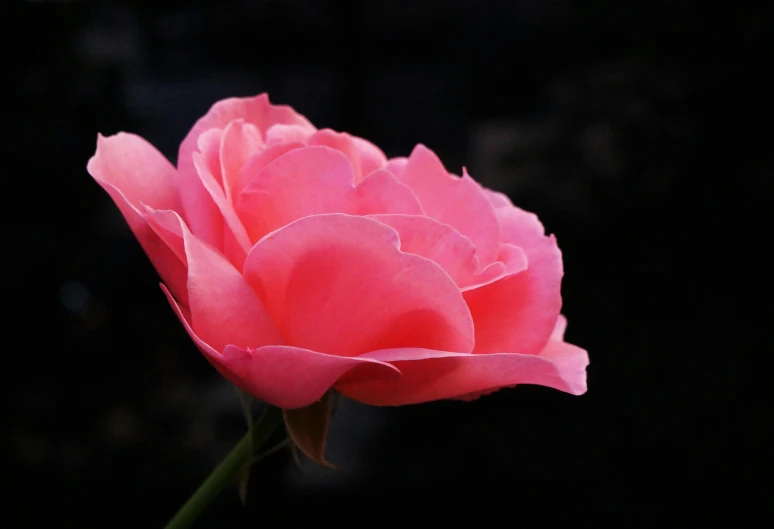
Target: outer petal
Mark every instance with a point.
(458, 202)
(136, 169)
(518, 313)
(201, 211)
(382, 192)
(433, 375)
(134, 173)
(450, 249)
(339, 284)
(286, 377)
(303, 182)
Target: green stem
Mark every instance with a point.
(229, 469)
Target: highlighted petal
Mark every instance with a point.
(302, 182)
(518, 313)
(339, 284)
(286, 377)
(458, 202)
(433, 375)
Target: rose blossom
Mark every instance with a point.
(301, 260)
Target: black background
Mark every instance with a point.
(638, 132)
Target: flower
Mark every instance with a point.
(301, 260)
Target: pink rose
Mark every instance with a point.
(301, 260)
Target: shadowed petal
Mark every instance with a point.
(286, 377)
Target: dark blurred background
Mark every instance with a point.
(639, 132)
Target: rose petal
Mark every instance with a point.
(451, 250)
(396, 165)
(208, 166)
(561, 326)
(286, 377)
(520, 228)
(518, 313)
(201, 212)
(371, 156)
(497, 199)
(302, 182)
(433, 375)
(136, 169)
(382, 192)
(458, 202)
(168, 227)
(255, 164)
(239, 143)
(224, 309)
(134, 173)
(339, 284)
(279, 134)
(342, 142)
